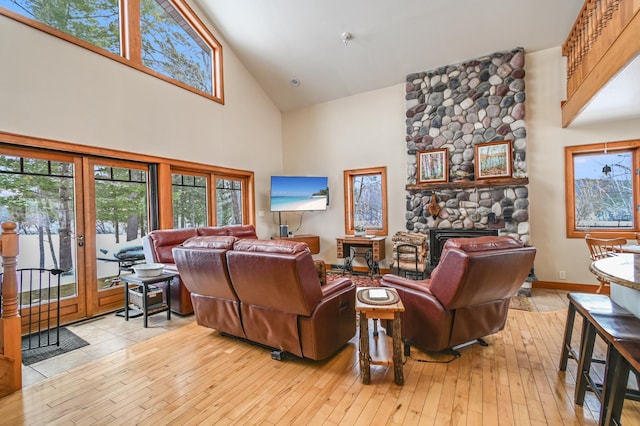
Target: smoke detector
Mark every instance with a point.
(346, 37)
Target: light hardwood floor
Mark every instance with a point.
(191, 375)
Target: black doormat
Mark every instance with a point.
(68, 342)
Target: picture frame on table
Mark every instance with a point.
(433, 166)
(493, 159)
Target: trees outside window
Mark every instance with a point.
(161, 37)
(189, 200)
(94, 21)
(603, 190)
(78, 209)
(192, 203)
(601, 185)
(38, 195)
(366, 200)
(171, 47)
(229, 201)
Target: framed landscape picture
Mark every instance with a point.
(493, 159)
(433, 166)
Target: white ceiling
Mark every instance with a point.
(281, 40)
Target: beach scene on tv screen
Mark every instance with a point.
(291, 193)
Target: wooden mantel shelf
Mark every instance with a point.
(484, 183)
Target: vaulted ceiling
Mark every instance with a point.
(284, 40)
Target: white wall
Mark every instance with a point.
(546, 141)
(53, 89)
(368, 130)
(360, 131)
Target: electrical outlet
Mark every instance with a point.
(562, 275)
(261, 213)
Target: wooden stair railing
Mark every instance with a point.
(603, 40)
(10, 333)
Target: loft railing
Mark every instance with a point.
(10, 333)
(602, 41)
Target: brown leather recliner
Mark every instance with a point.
(468, 294)
(158, 246)
(215, 302)
(281, 302)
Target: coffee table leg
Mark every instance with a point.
(365, 367)
(397, 350)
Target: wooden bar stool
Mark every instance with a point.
(610, 328)
(584, 304)
(623, 357)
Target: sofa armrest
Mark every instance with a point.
(395, 280)
(336, 286)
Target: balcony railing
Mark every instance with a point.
(597, 34)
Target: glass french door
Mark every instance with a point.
(42, 194)
(75, 214)
(117, 221)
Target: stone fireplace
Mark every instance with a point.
(457, 107)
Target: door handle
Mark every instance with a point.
(80, 239)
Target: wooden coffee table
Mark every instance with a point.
(384, 304)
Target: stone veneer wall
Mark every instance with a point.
(457, 107)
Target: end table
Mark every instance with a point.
(382, 303)
(145, 282)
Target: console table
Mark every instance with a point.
(370, 248)
(313, 241)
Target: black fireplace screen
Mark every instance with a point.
(437, 238)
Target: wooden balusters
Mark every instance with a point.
(603, 38)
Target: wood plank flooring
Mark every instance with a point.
(193, 376)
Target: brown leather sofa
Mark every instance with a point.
(468, 294)
(158, 246)
(267, 292)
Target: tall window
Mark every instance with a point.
(161, 37)
(366, 200)
(229, 201)
(601, 184)
(189, 200)
(171, 47)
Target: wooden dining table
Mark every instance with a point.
(623, 272)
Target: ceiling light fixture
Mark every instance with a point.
(294, 82)
(346, 37)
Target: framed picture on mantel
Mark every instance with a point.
(493, 159)
(433, 166)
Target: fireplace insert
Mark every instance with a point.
(437, 238)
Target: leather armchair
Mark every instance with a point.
(468, 294)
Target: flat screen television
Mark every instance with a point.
(299, 193)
